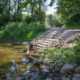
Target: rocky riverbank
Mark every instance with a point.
(57, 70)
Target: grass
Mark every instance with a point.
(71, 55)
(21, 31)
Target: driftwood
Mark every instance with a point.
(33, 59)
(50, 65)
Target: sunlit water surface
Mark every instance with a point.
(11, 56)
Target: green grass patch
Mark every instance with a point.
(71, 55)
(21, 31)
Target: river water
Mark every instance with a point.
(10, 56)
(15, 64)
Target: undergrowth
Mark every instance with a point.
(21, 31)
(71, 55)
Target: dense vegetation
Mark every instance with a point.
(15, 25)
(23, 20)
(17, 31)
(26, 13)
(15, 9)
(69, 12)
(71, 55)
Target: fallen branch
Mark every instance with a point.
(53, 65)
(32, 59)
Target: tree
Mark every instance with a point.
(14, 9)
(36, 10)
(69, 11)
(4, 9)
(53, 20)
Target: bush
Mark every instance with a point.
(58, 54)
(17, 31)
(71, 55)
(72, 25)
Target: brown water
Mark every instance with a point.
(9, 52)
(13, 66)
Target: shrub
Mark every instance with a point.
(72, 25)
(65, 54)
(17, 31)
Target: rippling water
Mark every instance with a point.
(11, 59)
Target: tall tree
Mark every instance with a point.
(69, 10)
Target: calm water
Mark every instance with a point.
(10, 54)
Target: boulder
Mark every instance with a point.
(67, 68)
(77, 70)
(76, 77)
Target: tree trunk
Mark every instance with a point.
(18, 6)
(9, 11)
(32, 9)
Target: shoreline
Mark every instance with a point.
(15, 42)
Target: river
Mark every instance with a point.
(15, 64)
(10, 54)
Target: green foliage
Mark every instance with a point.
(69, 11)
(21, 31)
(65, 54)
(58, 54)
(38, 17)
(72, 26)
(77, 52)
(53, 21)
(12, 11)
(50, 20)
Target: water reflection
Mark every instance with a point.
(14, 65)
(14, 69)
(26, 74)
(10, 60)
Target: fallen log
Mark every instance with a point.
(33, 59)
(50, 65)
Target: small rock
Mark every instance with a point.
(77, 70)
(57, 78)
(45, 70)
(67, 68)
(27, 72)
(60, 64)
(66, 78)
(48, 78)
(20, 78)
(76, 77)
